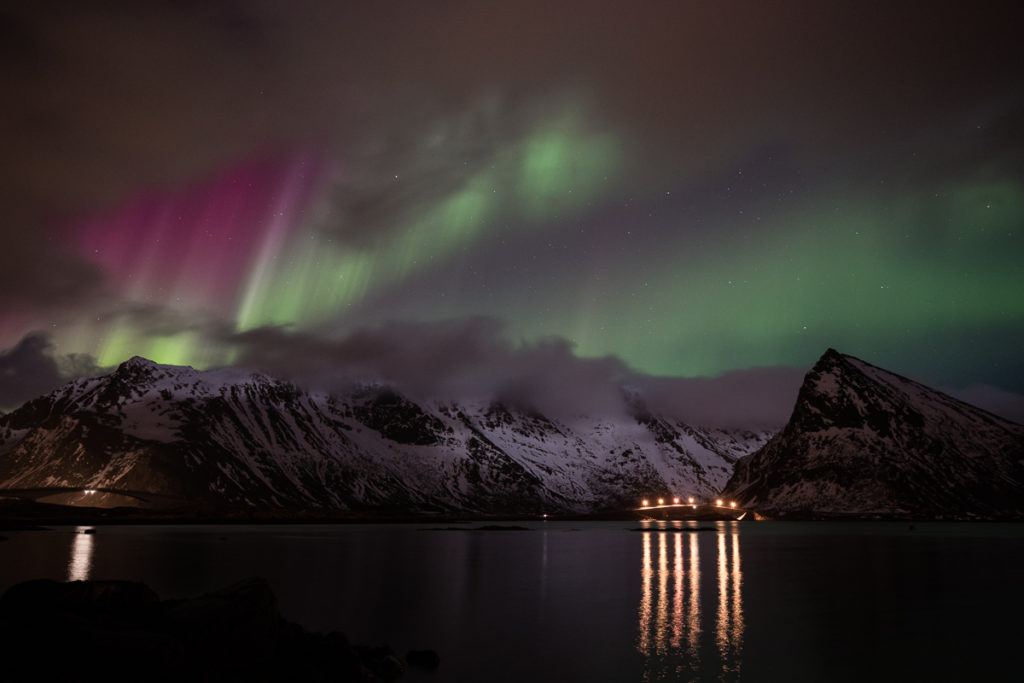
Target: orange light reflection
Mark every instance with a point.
(646, 572)
(677, 594)
(80, 563)
(670, 613)
(661, 628)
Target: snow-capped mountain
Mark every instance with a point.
(862, 440)
(238, 438)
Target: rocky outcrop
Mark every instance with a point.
(121, 631)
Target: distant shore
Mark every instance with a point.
(27, 515)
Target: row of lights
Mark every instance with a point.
(661, 501)
(675, 501)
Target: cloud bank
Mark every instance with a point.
(473, 359)
(30, 369)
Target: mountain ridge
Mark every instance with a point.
(243, 438)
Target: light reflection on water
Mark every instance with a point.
(693, 622)
(670, 613)
(729, 633)
(80, 563)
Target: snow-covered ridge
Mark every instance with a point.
(236, 437)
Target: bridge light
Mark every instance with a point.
(732, 504)
(718, 502)
(661, 501)
(690, 500)
(676, 500)
(645, 502)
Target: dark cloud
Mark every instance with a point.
(454, 359)
(473, 359)
(468, 359)
(30, 369)
(755, 398)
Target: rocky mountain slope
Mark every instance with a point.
(236, 438)
(862, 440)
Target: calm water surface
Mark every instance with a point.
(751, 601)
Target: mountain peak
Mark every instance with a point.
(831, 354)
(136, 368)
(863, 440)
(139, 367)
(833, 359)
(138, 362)
(138, 373)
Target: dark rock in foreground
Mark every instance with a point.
(121, 630)
(423, 659)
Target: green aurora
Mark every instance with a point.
(683, 188)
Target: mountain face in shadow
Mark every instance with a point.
(865, 441)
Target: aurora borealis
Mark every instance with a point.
(678, 190)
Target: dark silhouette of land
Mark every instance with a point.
(121, 630)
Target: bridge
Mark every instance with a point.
(674, 507)
(91, 497)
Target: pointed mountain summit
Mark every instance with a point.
(864, 441)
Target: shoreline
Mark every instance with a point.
(20, 514)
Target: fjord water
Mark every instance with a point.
(589, 601)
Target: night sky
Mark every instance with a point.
(518, 198)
